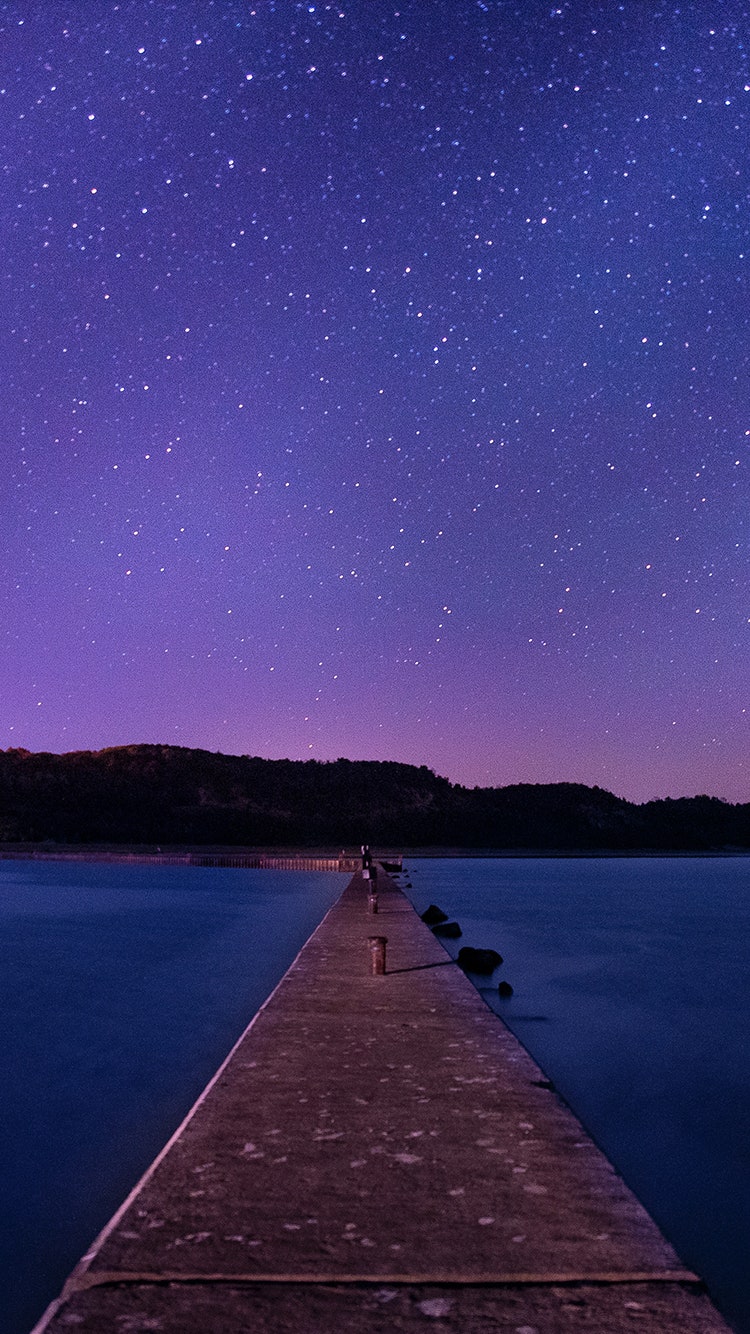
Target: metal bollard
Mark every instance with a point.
(372, 902)
(377, 946)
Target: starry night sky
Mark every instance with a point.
(374, 383)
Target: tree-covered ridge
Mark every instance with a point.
(170, 794)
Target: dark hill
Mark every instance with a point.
(169, 794)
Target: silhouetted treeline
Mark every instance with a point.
(169, 794)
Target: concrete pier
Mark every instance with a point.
(379, 1153)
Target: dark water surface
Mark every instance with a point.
(121, 991)
(632, 991)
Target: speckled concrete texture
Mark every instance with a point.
(307, 1309)
(380, 1153)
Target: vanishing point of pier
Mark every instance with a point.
(379, 1153)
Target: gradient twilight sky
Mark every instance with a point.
(374, 382)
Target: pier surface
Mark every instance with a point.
(379, 1154)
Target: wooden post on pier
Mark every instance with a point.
(377, 946)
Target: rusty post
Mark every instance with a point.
(377, 946)
(372, 901)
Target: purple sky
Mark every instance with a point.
(375, 383)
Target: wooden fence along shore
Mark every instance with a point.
(379, 1153)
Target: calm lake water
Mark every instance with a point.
(632, 991)
(123, 988)
(121, 991)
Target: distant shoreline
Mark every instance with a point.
(167, 853)
(170, 797)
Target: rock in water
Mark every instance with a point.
(504, 989)
(478, 961)
(433, 915)
(450, 929)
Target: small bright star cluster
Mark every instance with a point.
(375, 383)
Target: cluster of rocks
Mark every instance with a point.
(482, 962)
